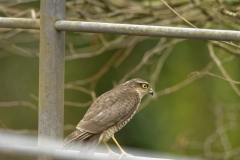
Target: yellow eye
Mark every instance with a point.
(144, 86)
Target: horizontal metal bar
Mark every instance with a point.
(17, 145)
(20, 145)
(23, 23)
(144, 30)
(126, 29)
(62, 154)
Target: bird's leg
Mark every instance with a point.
(123, 153)
(110, 152)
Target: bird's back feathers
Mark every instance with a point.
(109, 109)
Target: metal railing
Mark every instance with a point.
(20, 145)
(125, 29)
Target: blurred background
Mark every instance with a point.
(196, 107)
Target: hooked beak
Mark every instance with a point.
(151, 91)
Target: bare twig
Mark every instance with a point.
(214, 75)
(18, 103)
(221, 68)
(96, 53)
(176, 87)
(157, 49)
(235, 52)
(78, 88)
(126, 53)
(76, 104)
(18, 131)
(229, 43)
(102, 71)
(226, 12)
(179, 15)
(159, 66)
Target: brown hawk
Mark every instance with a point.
(108, 114)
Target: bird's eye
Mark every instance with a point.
(144, 86)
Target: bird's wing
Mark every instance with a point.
(109, 109)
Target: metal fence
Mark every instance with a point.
(52, 47)
(25, 146)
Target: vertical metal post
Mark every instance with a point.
(51, 74)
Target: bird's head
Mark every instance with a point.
(141, 86)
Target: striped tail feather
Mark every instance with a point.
(90, 144)
(75, 137)
(90, 141)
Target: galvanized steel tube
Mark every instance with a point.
(23, 23)
(51, 75)
(127, 29)
(144, 30)
(58, 154)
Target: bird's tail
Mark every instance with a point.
(90, 141)
(74, 137)
(90, 144)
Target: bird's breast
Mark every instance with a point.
(108, 133)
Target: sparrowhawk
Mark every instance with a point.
(108, 114)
